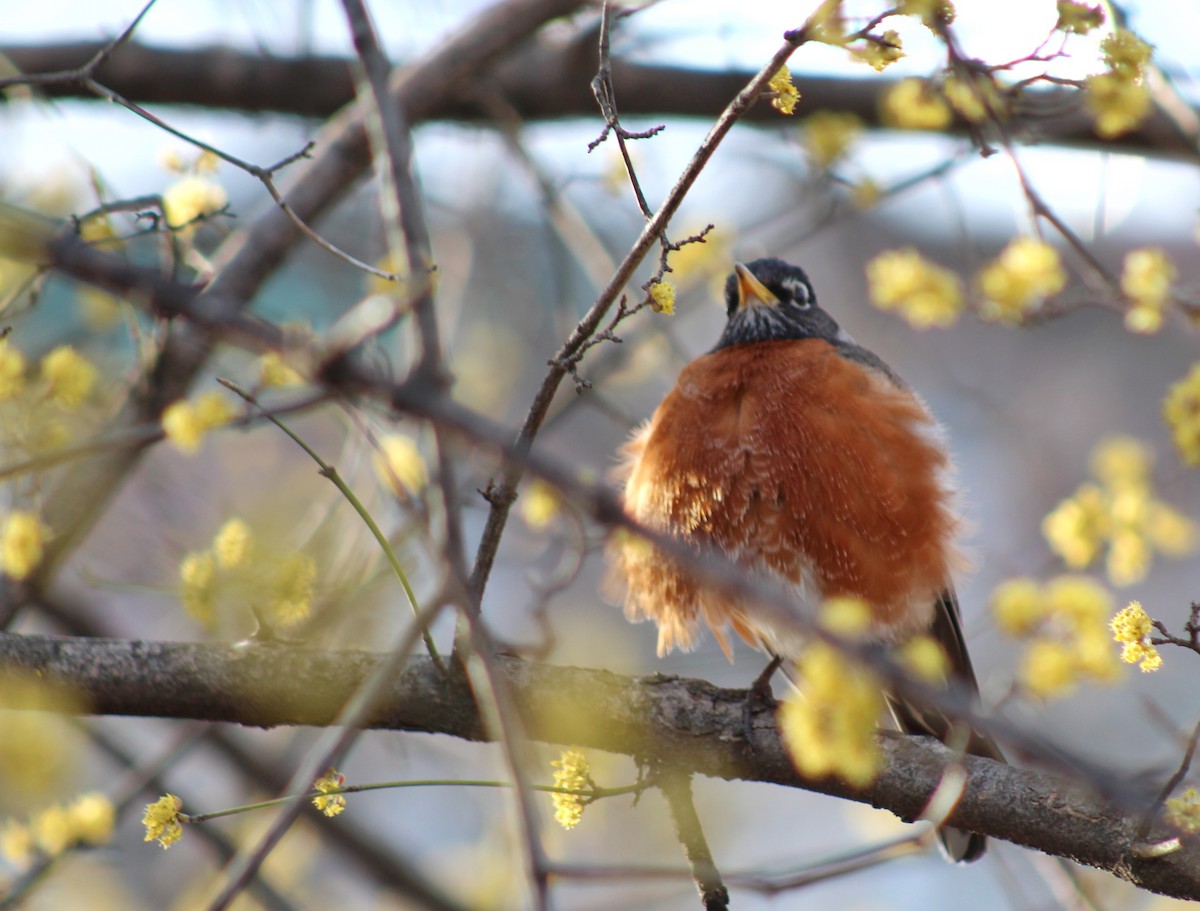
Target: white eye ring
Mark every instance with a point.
(798, 290)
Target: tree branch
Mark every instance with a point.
(691, 725)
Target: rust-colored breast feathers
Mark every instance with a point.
(795, 461)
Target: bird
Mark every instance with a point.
(803, 457)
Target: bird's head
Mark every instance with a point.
(770, 300)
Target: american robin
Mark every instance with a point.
(802, 455)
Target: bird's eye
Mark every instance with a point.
(797, 290)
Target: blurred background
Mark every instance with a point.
(527, 225)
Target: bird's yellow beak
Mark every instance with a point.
(751, 289)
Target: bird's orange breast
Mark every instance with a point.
(794, 461)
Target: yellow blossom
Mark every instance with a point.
(1132, 627)
(827, 135)
(273, 371)
(827, 24)
(232, 544)
(539, 504)
(1146, 280)
(294, 587)
(1077, 528)
(329, 803)
(191, 199)
(1170, 531)
(1183, 811)
(1129, 556)
(1078, 17)
(171, 159)
(187, 421)
(96, 230)
(1126, 54)
(206, 162)
(931, 12)
(662, 297)
(573, 773)
(52, 830)
(866, 193)
(786, 93)
(1026, 272)
(17, 845)
(845, 617)
(69, 376)
(92, 818)
(22, 543)
(198, 573)
(923, 293)
(1117, 104)
(163, 820)
(399, 465)
(1017, 606)
(12, 370)
(912, 105)
(1048, 669)
(880, 54)
(1121, 460)
(1081, 603)
(925, 659)
(830, 729)
(1181, 411)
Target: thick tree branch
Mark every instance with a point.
(542, 82)
(694, 726)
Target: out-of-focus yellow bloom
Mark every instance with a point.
(1146, 280)
(1049, 669)
(1077, 528)
(1117, 104)
(923, 293)
(827, 24)
(273, 371)
(830, 729)
(96, 230)
(207, 162)
(1025, 273)
(970, 97)
(1181, 411)
(1132, 627)
(912, 104)
(1078, 17)
(1183, 811)
(93, 818)
(866, 193)
(51, 830)
(99, 310)
(845, 617)
(1121, 460)
(188, 421)
(69, 376)
(198, 573)
(880, 54)
(190, 199)
(931, 12)
(828, 134)
(17, 845)
(1126, 54)
(539, 505)
(1017, 606)
(572, 772)
(925, 659)
(163, 820)
(294, 589)
(786, 93)
(328, 803)
(22, 543)
(662, 298)
(399, 465)
(12, 370)
(232, 544)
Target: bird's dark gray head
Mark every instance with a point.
(770, 300)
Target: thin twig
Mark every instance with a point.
(676, 787)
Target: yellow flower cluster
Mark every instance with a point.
(662, 296)
(87, 820)
(1026, 272)
(539, 504)
(400, 466)
(879, 53)
(786, 93)
(23, 539)
(164, 820)
(274, 371)
(1065, 623)
(973, 98)
(1132, 627)
(913, 104)
(1183, 811)
(1146, 280)
(188, 421)
(279, 586)
(930, 12)
(829, 726)
(827, 135)
(922, 292)
(1078, 17)
(328, 801)
(1181, 411)
(1120, 512)
(1118, 98)
(67, 377)
(572, 772)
